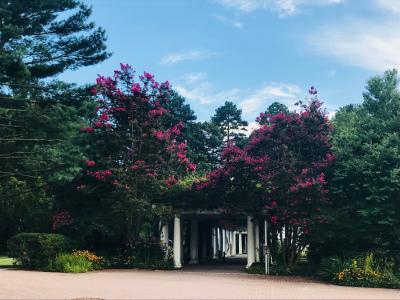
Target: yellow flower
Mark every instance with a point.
(90, 256)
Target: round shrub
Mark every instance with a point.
(36, 250)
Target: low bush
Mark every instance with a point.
(36, 250)
(145, 255)
(302, 269)
(70, 263)
(256, 268)
(95, 260)
(364, 270)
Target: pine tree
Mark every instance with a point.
(229, 119)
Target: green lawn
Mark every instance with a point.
(6, 262)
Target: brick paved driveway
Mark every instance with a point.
(128, 284)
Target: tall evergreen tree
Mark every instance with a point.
(203, 139)
(39, 118)
(43, 38)
(366, 184)
(274, 109)
(229, 119)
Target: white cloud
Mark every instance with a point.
(287, 94)
(194, 77)
(178, 57)
(368, 44)
(231, 22)
(390, 5)
(197, 88)
(283, 7)
(251, 127)
(205, 93)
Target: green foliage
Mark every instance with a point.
(24, 205)
(45, 38)
(204, 140)
(256, 268)
(6, 262)
(366, 143)
(229, 119)
(277, 108)
(364, 270)
(146, 255)
(40, 146)
(274, 109)
(36, 250)
(69, 263)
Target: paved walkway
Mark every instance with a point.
(128, 284)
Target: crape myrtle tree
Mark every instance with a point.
(282, 171)
(135, 157)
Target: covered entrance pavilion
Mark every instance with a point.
(207, 237)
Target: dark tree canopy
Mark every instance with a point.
(274, 109)
(366, 185)
(229, 119)
(42, 38)
(40, 147)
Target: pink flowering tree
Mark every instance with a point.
(134, 157)
(283, 172)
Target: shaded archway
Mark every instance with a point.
(206, 238)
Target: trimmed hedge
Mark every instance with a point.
(36, 250)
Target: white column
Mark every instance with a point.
(223, 241)
(164, 233)
(257, 240)
(194, 241)
(219, 240)
(228, 242)
(214, 239)
(231, 243)
(177, 242)
(234, 243)
(250, 242)
(240, 243)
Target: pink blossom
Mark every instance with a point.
(136, 88)
(170, 181)
(103, 117)
(192, 167)
(165, 85)
(87, 129)
(125, 67)
(159, 135)
(148, 75)
(90, 163)
(93, 91)
(176, 130)
(157, 112)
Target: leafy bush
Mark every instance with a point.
(70, 263)
(90, 256)
(365, 270)
(36, 250)
(144, 255)
(256, 268)
(302, 269)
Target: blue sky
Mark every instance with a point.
(251, 52)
